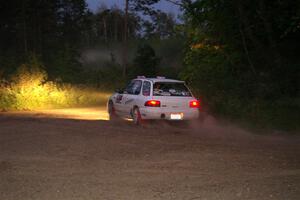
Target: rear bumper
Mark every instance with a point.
(158, 113)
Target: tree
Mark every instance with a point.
(162, 25)
(241, 57)
(137, 5)
(254, 37)
(145, 62)
(70, 18)
(27, 26)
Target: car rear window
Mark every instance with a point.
(170, 89)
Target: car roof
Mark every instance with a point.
(159, 79)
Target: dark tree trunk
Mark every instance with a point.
(125, 45)
(25, 42)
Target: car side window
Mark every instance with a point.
(134, 87)
(146, 88)
(128, 89)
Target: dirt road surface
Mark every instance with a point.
(76, 154)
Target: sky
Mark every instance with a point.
(163, 5)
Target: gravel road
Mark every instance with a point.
(49, 157)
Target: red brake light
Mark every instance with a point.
(194, 104)
(152, 103)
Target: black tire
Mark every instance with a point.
(136, 116)
(111, 111)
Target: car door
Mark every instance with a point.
(130, 96)
(117, 99)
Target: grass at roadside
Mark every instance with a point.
(30, 89)
(50, 95)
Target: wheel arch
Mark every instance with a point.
(132, 109)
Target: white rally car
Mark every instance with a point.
(154, 98)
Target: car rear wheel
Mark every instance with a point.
(136, 115)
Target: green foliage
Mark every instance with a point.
(65, 65)
(30, 89)
(58, 31)
(55, 30)
(107, 77)
(162, 26)
(240, 58)
(7, 97)
(145, 62)
(171, 54)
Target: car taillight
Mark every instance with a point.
(152, 103)
(194, 104)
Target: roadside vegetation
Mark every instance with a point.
(29, 89)
(240, 57)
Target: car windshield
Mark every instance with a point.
(170, 89)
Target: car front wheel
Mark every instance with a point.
(111, 111)
(136, 115)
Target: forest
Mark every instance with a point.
(241, 58)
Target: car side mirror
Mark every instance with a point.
(120, 91)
